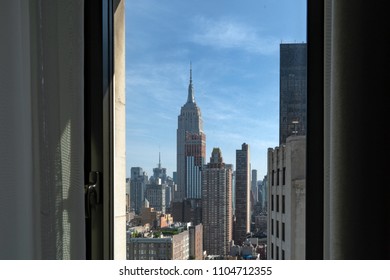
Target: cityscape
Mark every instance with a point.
(216, 137)
(219, 210)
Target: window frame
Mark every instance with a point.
(314, 236)
(315, 120)
(103, 55)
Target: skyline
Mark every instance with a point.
(234, 50)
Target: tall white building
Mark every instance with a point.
(286, 200)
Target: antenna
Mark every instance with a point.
(190, 71)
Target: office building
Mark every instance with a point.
(242, 213)
(191, 148)
(293, 92)
(196, 242)
(167, 247)
(187, 211)
(168, 197)
(217, 210)
(263, 197)
(286, 195)
(254, 187)
(233, 190)
(155, 194)
(138, 181)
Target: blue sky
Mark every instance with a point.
(234, 49)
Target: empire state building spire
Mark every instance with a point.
(190, 98)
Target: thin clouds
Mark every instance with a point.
(219, 109)
(227, 34)
(157, 82)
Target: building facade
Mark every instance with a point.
(286, 195)
(181, 246)
(191, 148)
(175, 247)
(155, 194)
(242, 212)
(233, 189)
(254, 187)
(196, 242)
(293, 90)
(217, 209)
(138, 181)
(264, 193)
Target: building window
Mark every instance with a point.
(277, 203)
(277, 252)
(283, 256)
(284, 176)
(272, 178)
(277, 229)
(283, 231)
(272, 202)
(277, 177)
(283, 204)
(272, 227)
(272, 250)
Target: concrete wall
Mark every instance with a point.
(292, 157)
(119, 132)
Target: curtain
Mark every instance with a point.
(356, 131)
(42, 132)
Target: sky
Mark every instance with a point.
(233, 46)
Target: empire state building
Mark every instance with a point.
(191, 149)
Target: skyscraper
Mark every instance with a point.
(254, 187)
(293, 93)
(242, 213)
(191, 148)
(217, 211)
(138, 181)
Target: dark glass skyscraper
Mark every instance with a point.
(242, 213)
(293, 93)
